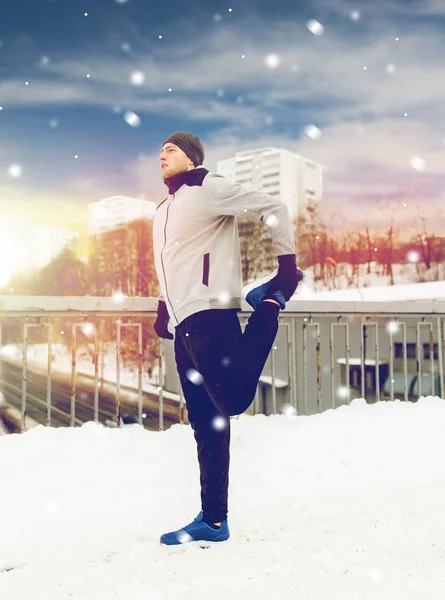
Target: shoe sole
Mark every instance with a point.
(179, 548)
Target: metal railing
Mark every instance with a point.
(326, 353)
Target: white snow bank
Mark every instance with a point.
(343, 505)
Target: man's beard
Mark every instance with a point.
(179, 171)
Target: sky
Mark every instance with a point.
(340, 505)
(241, 75)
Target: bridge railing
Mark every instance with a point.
(326, 353)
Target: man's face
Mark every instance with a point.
(174, 161)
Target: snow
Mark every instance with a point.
(429, 290)
(356, 285)
(343, 505)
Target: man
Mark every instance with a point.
(198, 264)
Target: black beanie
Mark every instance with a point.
(190, 144)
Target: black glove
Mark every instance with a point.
(287, 278)
(160, 325)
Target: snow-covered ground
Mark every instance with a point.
(344, 505)
(343, 277)
(430, 290)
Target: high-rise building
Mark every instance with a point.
(278, 172)
(111, 212)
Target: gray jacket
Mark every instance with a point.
(196, 242)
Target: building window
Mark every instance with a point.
(274, 165)
(269, 157)
(244, 172)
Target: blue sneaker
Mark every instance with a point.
(198, 531)
(256, 291)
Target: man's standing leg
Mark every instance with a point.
(211, 431)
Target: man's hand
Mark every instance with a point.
(160, 325)
(287, 278)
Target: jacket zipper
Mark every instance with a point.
(162, 261)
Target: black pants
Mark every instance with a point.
(219, 367)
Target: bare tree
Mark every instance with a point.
(258, 256)
(389, 251)
(369, 247)
(312, 240)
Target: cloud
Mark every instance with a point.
(329, 85)
(367, 142)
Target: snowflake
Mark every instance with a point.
(118, 297)
(88, 328)
(271, 221)
(53, 123)
(224, 298)
(132, 118)
(15, 170)
(137, 78)
(375, 574)
(219, 423)
(393, 327)
(390, 69)
(417, 163)
(315, 27)
(184, 537)
(343, 392)
(355, 15)
(194, 376)
(413, 256)
(312, 131)
(288, 409)
(52, 507)
(272, 61)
